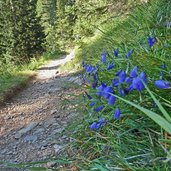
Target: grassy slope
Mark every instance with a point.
(132, 143)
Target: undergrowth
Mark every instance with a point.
(125, 129)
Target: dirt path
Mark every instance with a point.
(30, 122)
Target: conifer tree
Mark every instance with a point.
(28, 32)
(47, 12)
(6, 35)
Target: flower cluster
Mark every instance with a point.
(122, 84)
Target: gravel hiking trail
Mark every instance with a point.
(31, 121)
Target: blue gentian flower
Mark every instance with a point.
(134, 71)
(90, 69)
(143, 77)
(115, 82)
(129, 53)
(137, 84)
(162, 84)
(110, 66)
(95, 76)
(104, 57)
(122, 76)
(100, 89)
(128, 89)
(128, 80)
(106, 92)
(111, 100)
(117, 113)
(151, 41)
(98, 109)
(121, 91)
(116, 52)
(102, 121)
(95, 126)
(92, 104)
(88, 96)
(118, 73)
(94, 85)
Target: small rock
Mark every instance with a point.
(30, 138)
(42, 148)
(39, 131)
(51, 164)
(57, 147)
(49, 122)
(57, 131)
(2, 129)
(53, 111)
(9, 153)
(3, 151)
(28, 128)
(54, 90)
(17, 135)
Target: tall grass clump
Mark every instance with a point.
(127, 81)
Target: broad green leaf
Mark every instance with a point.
(154, 116)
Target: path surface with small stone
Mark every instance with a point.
(31, 121)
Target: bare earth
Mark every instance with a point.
(31, 122)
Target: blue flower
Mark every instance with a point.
(88, 96)
(151, 41)
(117, 74)
(95, 76)
(128, 89)
(110, 66)
(94, 85)
(106, 92)
(100, 89)
(134, 71)
(84, 65)
(90, 69)
(121, 91)
(162, 84)
(95, 126)
(122, 76)
(98, 109)
(111, 100)
(116, 52)
(115, 82)
(117, 113)
(92, 104)
(104, 57)
(102, 121)
(128, 80)
(137, 84)
(143, 77)
(129, 53)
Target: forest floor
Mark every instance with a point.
(30, 124)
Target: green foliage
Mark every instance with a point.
(135, 142)
(28, 32)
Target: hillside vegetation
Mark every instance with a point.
(123, 56)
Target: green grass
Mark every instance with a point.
(135, 142)
(15, 77)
